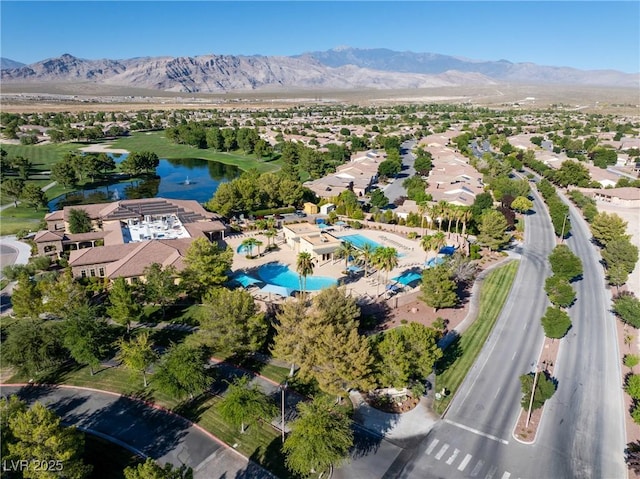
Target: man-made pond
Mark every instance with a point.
(180, 179)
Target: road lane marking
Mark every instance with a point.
(432, 446)
(441, 452)
(475, 431)
(464, 462)
(491, 472)
(477, 468)
(453, 456)
(514, 355)
(506, 475)
(497, 392)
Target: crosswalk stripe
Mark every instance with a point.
(477, 468)
(441, 452)
(464, 462)
(506, 475)
(432, 446)
(453, 456)
(491, 472)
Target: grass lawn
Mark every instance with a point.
(157, 142)
(13, 219)
(462, 354)
(42, 156)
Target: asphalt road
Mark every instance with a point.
(395, 190)
(582, 431)
(584, 424)
(152, 432)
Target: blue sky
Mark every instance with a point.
(580, 34)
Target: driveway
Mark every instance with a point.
(144, 429)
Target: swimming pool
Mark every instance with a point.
(359, 241)
(280, 274)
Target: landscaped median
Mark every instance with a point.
(461, 355)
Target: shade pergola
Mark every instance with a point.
(407, 278)
(279, 290)
(245, 280)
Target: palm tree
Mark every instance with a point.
(386, 258)
(422, 209)
(367, 251)
(258, 243)
(465, 218)
(304, 266)
(346, 250)
(270, 233)
(433, 242)
(249, 244)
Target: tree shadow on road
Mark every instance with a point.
(153, 431)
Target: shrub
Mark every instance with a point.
(545, 388)
(632, 387)
(627, 307)
(635, 414)
(631, 360)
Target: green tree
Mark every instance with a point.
(620, 252)
(632, 387)
(559, 291)
(389, 168)
(320, 437)
(522, 204)
(627, 307)
(26, 298)
(63, 173)
(545, 388)
(9, 407)
(230, 321)
(86, 337)
(438, 289)
(160, 285)
(482, 202)
(493, 226)
(607, 227)
(572, 173)
(304, 266)
(32, 195)
(12, 187)
(366, 255)
(137, 354)
(123, 307)
(63, 296)
(151, 470)
(243, 404)
(378, 199)
(39, 434)
(182, 372)
(564, 263)
(289, 329)
(33, 346)
(556, 323)
(206, 266)
(631, 360)
(248, 245)
(407, 352)
(79, 221)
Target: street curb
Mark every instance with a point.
(152, 405)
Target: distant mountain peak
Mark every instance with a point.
(7, 63)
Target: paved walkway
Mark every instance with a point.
(12, 251)
(144, 429)
(12, 204)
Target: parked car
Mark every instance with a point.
(278, 217)
(300, 213)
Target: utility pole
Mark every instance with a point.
(533, 391)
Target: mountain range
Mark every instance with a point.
(340, 68)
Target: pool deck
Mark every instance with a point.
(413, 258)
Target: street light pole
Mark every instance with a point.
(564, 222)
(533, 390)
